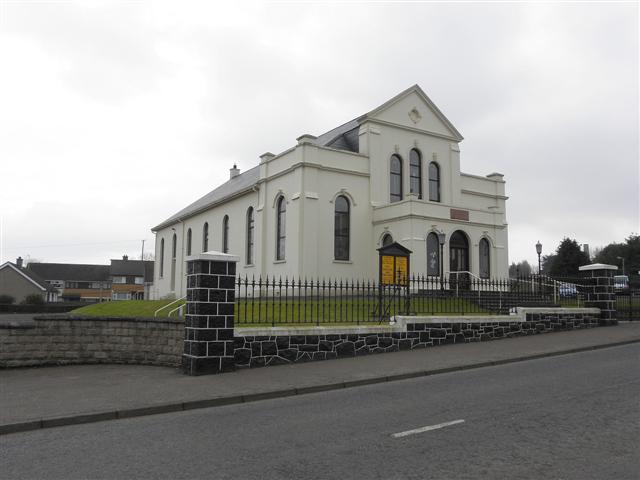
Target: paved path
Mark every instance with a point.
(51, 396)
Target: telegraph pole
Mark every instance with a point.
(142, 256)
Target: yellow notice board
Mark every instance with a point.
(394, 270)
(388, 269)
(402, 273)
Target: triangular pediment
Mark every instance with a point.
(412, 108)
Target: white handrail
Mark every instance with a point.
(155, 314)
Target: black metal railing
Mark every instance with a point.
(282, 301)
(628, 304)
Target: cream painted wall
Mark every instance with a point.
(310, 177)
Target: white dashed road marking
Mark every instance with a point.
(425, 429)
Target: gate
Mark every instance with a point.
(628, 304)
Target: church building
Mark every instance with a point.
(321, 208)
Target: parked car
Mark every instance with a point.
(567, 290)
(620, 282)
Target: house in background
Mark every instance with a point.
(321, 208)
(20, 282)
(128, 278)
(76, 282)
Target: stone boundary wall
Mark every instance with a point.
(258, 347)
(65, 340)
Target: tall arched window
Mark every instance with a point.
(485, 258)
(281, 230)
(225, 234)
(249, 236)
(341, 229)
(174, 242)
(415, 173)
(395, 179)
(387, 239)
(433, 255)
(189, 242)
(434, 182)
(161, 257)
(205, 237)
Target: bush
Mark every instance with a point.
(34, 299)
(6, 300)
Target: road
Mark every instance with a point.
(567, 417)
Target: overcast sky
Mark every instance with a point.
(115, 115)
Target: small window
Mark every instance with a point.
(205, 237)
(189, 242)
(415, 173)
(250, 236)
(387, 240)
(434, 182)
(485, 257)
(225, 234)
(341, 229)
(281, 229)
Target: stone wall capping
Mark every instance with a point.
(597, 266)
(213, 256)
(316, 330)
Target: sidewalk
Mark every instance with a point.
(54, 396)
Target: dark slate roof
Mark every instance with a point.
(70, 271)
(242, 182)
(33, 276)
(344, 137)
(137, 268)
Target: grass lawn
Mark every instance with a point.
(126, 308)
(292, 312)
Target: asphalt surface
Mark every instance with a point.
(564, 417)
(34, 398)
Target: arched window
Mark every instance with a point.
(225, 234)
(174, 242)
(485, 258)
(395, 179)
(415, 173)
(458, 252)
(189, 242)
(161, 257)
(387, 239)
(433, 255)
(434, 182)
(341, 229)
(281, 230)
(249, 236)
(205, 237)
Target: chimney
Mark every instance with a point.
(19, 262)
(125, 257)
(234, 172)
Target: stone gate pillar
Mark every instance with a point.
(209, 321)
(601, 293)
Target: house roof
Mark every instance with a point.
(136, 268)
(345, 137)
(70, 271)
(243, 182)
(31, 276)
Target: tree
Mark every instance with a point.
(567, 259)
(629, 251)
(520, 269)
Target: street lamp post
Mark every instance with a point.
(441, 238)
(621, 258)
(539, 252)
